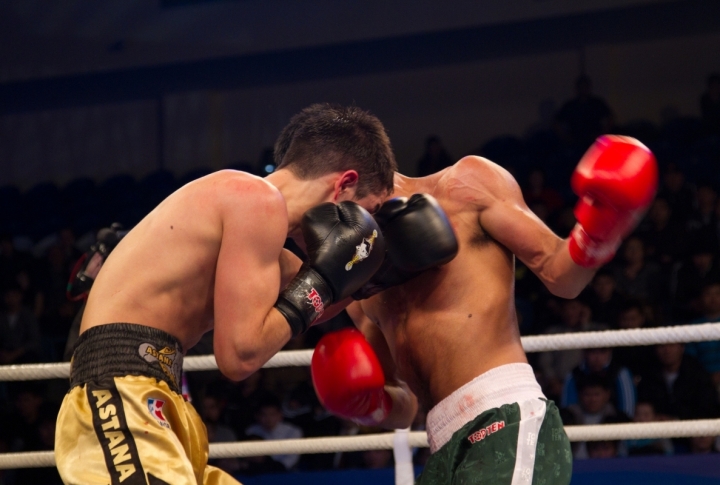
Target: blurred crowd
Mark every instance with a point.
(666, 273)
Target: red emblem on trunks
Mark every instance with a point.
(483, 433)
(155, 406)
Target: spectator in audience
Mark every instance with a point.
(23, 424)
(58, 312)
(710, 105)
(594, 406)
(680, 388)
(435, 157)
(244, 399)
(690, 280)
(270, 426)
(702, 445)
(555, 366)
(636, 277)
(708, 353)
(678, 194)
(703, 220)
(536, 192)
(663, 237)
(212, 407)
(303, 409)
(602, 449)
(12, 262)
(377, 459)
(66, 242)
(584, 117)
(43, 439)
(251, 466)
(599, 362)
(604, 300)
(281, 381)
(637, 359)
(645, 413)
(351, 459)
(19, 331)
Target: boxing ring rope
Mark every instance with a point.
(536, 343)
(581, 340)
(415, 439)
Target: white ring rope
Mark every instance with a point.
(417, 439)
(536, 343)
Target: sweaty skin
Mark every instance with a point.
(451, 324)
(211, 256)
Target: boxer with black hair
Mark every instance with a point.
(210, 257)
(449, 336)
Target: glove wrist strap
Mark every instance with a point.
(588, 252)
(304, 300)
(381, 410)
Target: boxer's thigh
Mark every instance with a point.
(553, 460)
(78, 455)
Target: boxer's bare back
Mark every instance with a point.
(451, 324)
(166, 273)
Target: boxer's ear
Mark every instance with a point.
(345, 186)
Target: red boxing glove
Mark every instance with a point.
(348, 378)
(616, 181)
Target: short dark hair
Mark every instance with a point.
(326, 138)
(632, 304)
(594, 380)
(269, 401)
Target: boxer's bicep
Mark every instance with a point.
(247, 282)
(504, 216)
(502, 211)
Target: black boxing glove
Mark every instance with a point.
(418, 236)
(345, 248)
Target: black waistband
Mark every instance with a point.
(121, 349)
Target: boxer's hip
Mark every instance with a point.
(506, 384)
(123, 349)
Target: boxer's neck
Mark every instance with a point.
(404, 186)
(300, 195)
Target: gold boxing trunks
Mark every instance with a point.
(124, 420)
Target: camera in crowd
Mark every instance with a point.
(88, 266)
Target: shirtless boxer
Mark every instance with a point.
(452, 333)
(211, 256)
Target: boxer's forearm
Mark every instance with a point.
(254, 347)
(561, 275)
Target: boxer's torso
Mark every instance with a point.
(162, 274)
(451, 324)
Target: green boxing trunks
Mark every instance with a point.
(497, 429)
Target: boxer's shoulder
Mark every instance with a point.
(241, 191)
(477, 180)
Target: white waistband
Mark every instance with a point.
(506, 384)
